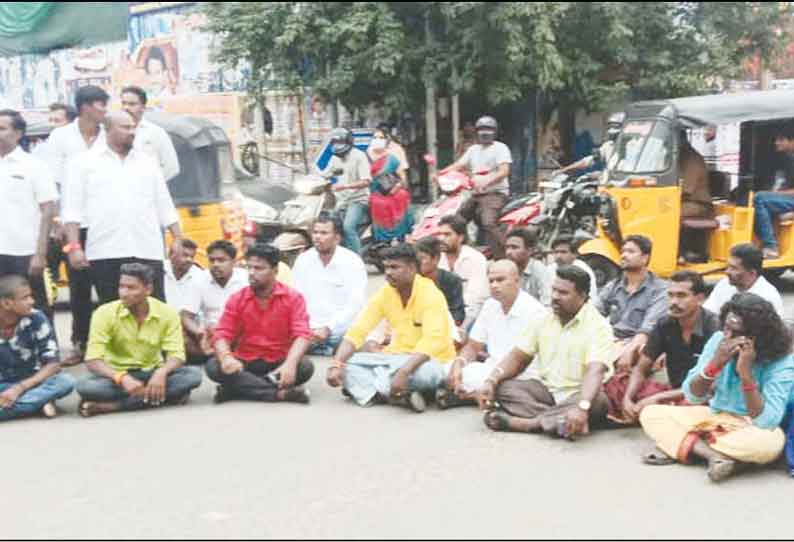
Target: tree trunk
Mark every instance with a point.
(431, 119)
(567, 119)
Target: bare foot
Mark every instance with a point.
(88, 409)
(49, 411)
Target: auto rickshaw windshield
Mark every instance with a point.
(644, 146)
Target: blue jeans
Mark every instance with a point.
(327, 348)
(102, 390)
(355, 214)
(767, 206)
(32, 401)
(369, 374)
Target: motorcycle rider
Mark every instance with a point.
(489, 162)
(352, 187)
(605, 151)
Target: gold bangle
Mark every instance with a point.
(118, 377)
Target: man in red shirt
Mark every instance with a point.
(262, 338)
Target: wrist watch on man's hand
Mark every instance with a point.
(585, 405)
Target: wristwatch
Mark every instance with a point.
(584, 404)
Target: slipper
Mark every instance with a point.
(82, 409)
(721, 469)
(658, 458)
(496, 420)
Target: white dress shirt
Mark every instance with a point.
(723, 292)
(25, 184)
(209, 299)
(472, 267)
(66, 142)
(124, 202)
(335, 294)
(499, 332)
(178, 292)
(156, 142)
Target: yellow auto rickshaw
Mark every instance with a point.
(641, 193)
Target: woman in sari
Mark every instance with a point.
(389, 200)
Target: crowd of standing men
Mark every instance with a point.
(538, 348)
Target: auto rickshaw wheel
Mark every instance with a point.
(603, 268)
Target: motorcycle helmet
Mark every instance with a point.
(615, 125)
(486, 128)
(341, 141)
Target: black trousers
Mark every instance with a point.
(106, 274)
(80, 300)
(19, 265)
(252, 382)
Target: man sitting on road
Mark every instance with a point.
(522, 249)
(333, 281)
(634, 302)
(569, 350)
(566, 253)
(125, 351)
(263, 337)
(503, 319)
(30, 377)
(744, 274)
(182, 280)
(412, 363)
(739, 390)
(467, 263)
(679, 337)
(428, 250)
(205, 303)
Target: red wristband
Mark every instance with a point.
(712, 371)
(751, 386)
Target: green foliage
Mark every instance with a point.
(582, 53)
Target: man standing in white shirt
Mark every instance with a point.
(27, 204)
(566, 253)
(333, 280)
(149, 137)
(64, 144)
(745, 265)
(205, 304)
(469, 264)
(120, 194)
(503, 319)
(489, 163)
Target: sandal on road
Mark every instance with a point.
(658, 458)
(84, 409)
(721, 469)
(496, 420)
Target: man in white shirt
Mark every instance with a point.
(65, 143)
(149, 137)
(566, 253)
(120, 194)
(536, 280)
(27, 204)
(182, 275)
(333, 280)
(469, 264)
(352, 187)
(503, 319)
(745, 265)
(489, 162)
(205, 304)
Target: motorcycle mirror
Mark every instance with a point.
(430, 159)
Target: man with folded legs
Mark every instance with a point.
(30, 377)
(413, 362)
(125, 351)
(570, 350)
(263, 337)
(503, 319)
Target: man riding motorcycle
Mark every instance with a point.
(352, 187)
(604, 153)
(489, 161)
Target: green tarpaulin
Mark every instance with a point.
(39, 27)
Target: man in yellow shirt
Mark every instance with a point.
(569, 354)
(125, 351)
(417, 359)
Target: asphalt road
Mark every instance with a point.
(333, 470)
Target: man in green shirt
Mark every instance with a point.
(125, 351)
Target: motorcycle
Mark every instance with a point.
(568, 206)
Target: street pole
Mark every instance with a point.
(430, 117)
